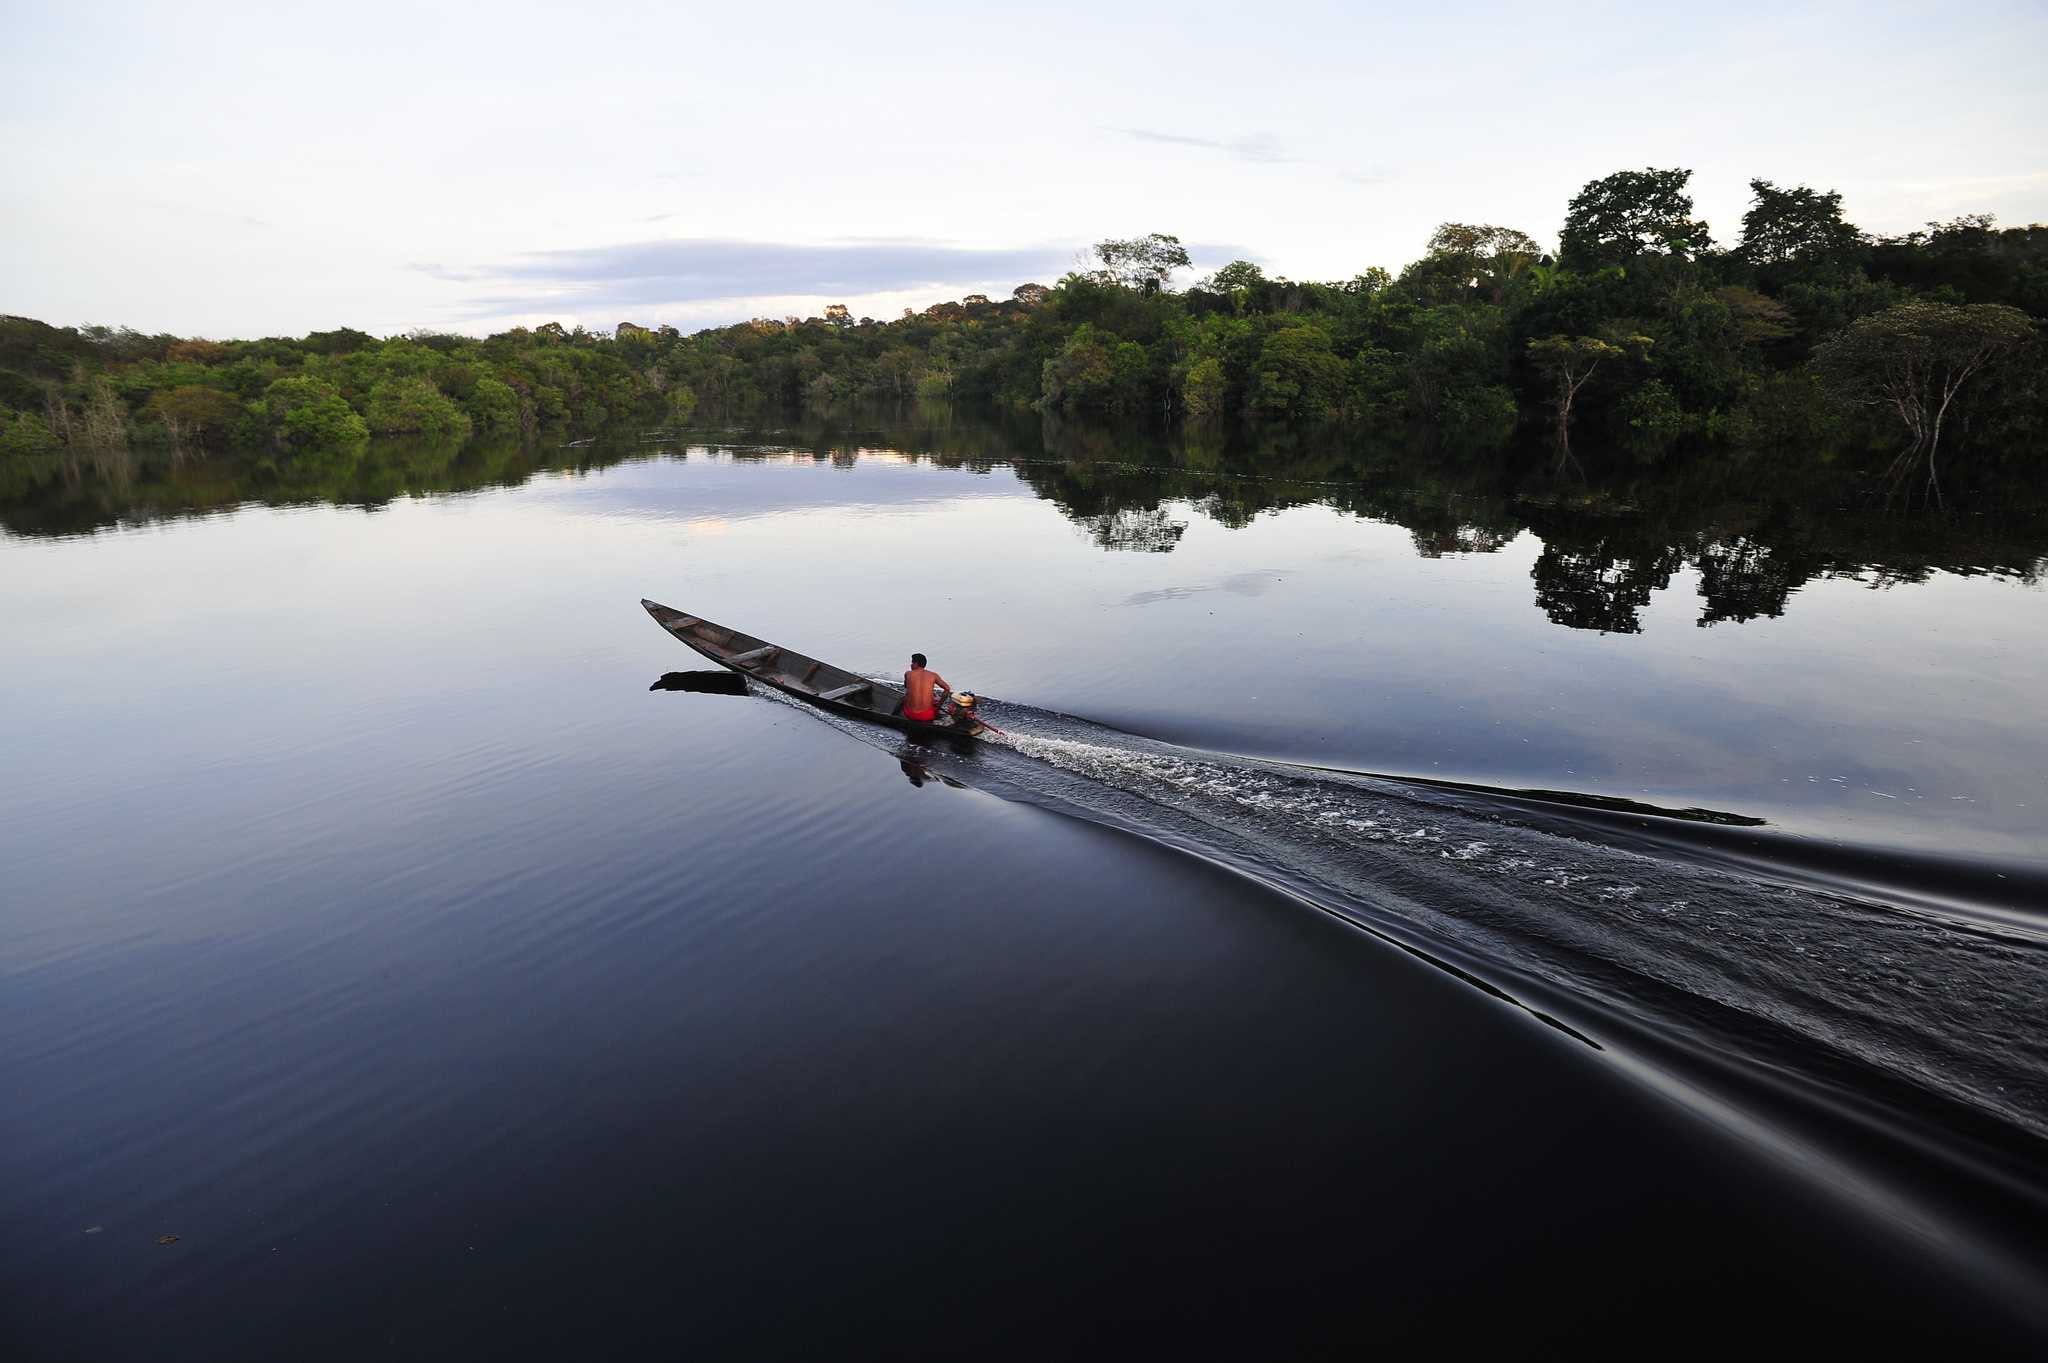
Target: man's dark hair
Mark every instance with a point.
(917, 660)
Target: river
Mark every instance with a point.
(1417, 896)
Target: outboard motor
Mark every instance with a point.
(959, 711)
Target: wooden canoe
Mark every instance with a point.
(819, 683)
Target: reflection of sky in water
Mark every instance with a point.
(706, 486)
(1907, 715)
(372, 816)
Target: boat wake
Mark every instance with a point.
(1902, 1018)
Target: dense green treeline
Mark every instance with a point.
(97, 387)
(1642, 331)
(1639, 334)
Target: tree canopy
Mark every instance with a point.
(1926, 361)
(1797, 226)
(1638, 334)
(1628, 214)
(1145, 263)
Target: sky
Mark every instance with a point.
(233, 170)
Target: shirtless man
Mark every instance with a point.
(920, 681)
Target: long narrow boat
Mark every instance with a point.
(827, 687)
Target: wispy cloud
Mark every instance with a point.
(697, 271)
(700, 274)
(1261, 147)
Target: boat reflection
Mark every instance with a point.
(919, 774)
(714, 683)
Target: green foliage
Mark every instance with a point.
(492, 403)
(1934, 364)
(1784, 411)
(402, 405)
(1482, 414)
(1453, 352)
(1650, 417)
(1818, 310)
(1094, 371)
(1971, 258)
(1477, 338)
(194, 411)
(1145, 264)
(1794, 234)
(1629, 214)
(23, 433)
(1572, 356)
(1299, 374)
(310, 413)
(1239, 274)
(1469, 263)
(1573, 361)
(1204, 388)
(1379, 385)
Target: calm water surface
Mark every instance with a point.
(1419, 904)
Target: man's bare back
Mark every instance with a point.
(922, 683)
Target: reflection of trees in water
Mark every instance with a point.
(1151, 532)
(364, 473)
(1598, 588)
(1434, 541)
(1742, 578)
(1755, 526)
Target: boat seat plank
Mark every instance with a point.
(766, 654)
(842, 692)
(684, 622)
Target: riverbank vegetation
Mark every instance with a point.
(1640, 333)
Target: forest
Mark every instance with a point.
(1640, 333)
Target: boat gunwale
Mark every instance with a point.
(735, 646)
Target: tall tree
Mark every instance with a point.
(1572, 361)
(1145, 263)
(1629, 214)
(1240, 274)
(1797, 227)
(1486, 241)
(1496, 254)
(1917, 359)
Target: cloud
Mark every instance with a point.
(650, 273)
(688, 274)
(1261, 147)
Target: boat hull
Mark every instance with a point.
(808, 679)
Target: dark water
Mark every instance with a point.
(1420, 904)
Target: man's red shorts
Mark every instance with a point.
(922, 716)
